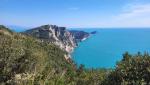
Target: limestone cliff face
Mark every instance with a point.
(56, 35)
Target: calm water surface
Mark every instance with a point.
(106, 47)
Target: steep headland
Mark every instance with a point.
(60, 36)
(79, 35)
(25, 60)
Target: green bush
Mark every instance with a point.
(132, 70)
(28, 61)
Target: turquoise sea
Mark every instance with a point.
(106, 47)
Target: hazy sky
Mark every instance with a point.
(76, 13)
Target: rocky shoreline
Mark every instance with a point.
(66, 39)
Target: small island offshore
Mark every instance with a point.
(41, 56)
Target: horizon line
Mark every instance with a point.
(76, 27)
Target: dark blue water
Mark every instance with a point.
(106, 47)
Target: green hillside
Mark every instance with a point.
(28, 61)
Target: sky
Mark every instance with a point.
(76, 13)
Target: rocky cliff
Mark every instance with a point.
(79, 35)
(25, 60)
(59, 36)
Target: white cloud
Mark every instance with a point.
(133, 15)
(136, 11)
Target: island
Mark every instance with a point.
(94, 32)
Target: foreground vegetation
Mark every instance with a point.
(28, 61)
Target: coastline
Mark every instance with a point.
(73, 48)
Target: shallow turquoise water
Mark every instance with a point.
(106, 47)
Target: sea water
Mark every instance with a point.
(105, 48)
